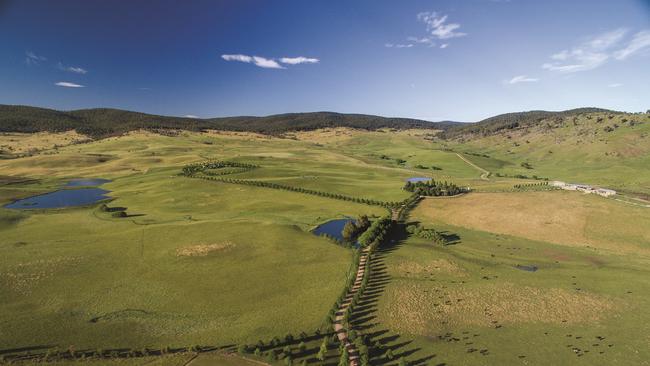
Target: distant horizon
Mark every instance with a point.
(445, 60)
(308, 112)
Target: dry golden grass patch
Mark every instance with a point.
(566, 218)
(421, 309)
(237, 135)
(19, 143)
(202, 250)
(415, 269)
(326, 135)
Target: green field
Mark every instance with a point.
(199, 262)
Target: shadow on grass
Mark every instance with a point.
(364, 317)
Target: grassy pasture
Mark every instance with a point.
(203, 262)
(469, 304)
(196, 262)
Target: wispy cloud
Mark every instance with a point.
(74, 69)
(438, 27)
(639, 42)
(299, 60)
(598, 50)
(399, 45)
(33, 59)
(258, 61)
(67, 84)
(190, 116)
(521, 79)
(270, 63)
(614, 85)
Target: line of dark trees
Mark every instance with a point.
(191, 169)
(433, 188)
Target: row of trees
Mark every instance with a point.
(56, 354)
(433, 188)
(192, 169)
(376, 232)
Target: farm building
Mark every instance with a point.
(583, 188)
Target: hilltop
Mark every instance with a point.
(102, 122)
(517, 120)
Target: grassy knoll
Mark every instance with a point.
(468, 303)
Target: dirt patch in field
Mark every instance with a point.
(415, 269)
(202, 250)
(422, 309)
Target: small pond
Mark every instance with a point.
(332, 228)
(418, 179)
(65, 197)
(527, 268)
(87, 182)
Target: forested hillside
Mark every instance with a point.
(510, 121)
(102, 122)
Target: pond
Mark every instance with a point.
(65, 197)
(418, 179)
(332, 228)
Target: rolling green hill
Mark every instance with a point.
(610, 149)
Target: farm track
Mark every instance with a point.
(484, 173)
(339, 329)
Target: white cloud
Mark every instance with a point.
(33, 59)
(266, 63)
(76, 70)
(299, 60)
(68, 84)
(522, 79)
(424, 40)
(269, 63)
(615, 85)
(639, 42)
(190, 116)
(438, 27)
(240, 58)
(597, 51)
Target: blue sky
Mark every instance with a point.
(436, 60)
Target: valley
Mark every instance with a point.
(181, 265)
